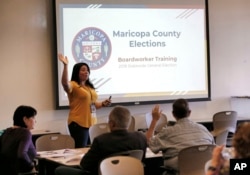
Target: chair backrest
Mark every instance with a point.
(225, 120)
(221, 137)
(191, 160)
(138, 153)
(67, 127)
(98, 129)
(122, 165)
(131, 126)
(160, 123)
(54, 142)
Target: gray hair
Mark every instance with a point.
(120, 116)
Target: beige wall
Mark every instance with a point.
(27, 50)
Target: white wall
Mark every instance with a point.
(27, 72)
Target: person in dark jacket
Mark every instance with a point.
(118, 140)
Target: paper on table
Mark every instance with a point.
(71, 159)
(57, 153)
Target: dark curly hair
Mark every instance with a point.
(241, 141)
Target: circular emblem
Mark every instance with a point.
(92, 46)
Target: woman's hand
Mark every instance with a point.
(217, 159)
(106, 102)
(63, 59)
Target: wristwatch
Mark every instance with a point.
(212, 168)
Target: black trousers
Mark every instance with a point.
(80, 134)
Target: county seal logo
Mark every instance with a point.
(92, 46)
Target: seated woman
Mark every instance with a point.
(219, 164)
(17, 151)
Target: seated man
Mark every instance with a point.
(118, 140)
(172, 139)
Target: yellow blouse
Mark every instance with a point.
(80, 99)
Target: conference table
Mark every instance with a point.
(49, 160)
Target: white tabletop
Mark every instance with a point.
(72, 157)
(43, 132)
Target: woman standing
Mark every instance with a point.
(82, 101)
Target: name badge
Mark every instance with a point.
(92, 108)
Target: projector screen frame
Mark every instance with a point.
(132, 102)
